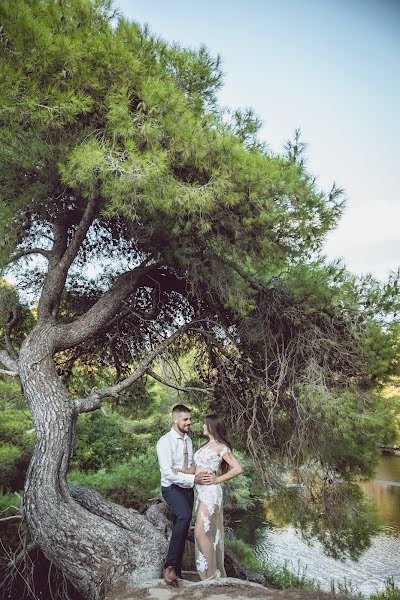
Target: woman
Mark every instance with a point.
(208, 530)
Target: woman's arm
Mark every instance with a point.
(235, 470)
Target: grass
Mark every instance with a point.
(279, 577)
(391, 592)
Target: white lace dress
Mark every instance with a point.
(209, 527)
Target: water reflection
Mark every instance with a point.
(368, 574)
(247, 526)
(386, 495)
(347, 528)
(339, 515)
(387, 500)
(388, 468)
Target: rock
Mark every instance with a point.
(222, 589)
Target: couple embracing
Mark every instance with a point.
(181, 472)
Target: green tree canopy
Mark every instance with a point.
(115, 154)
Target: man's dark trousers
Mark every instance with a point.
(180, 501)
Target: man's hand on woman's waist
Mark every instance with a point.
(205, 477)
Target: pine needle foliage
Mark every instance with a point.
(90, 103)
(96, 107)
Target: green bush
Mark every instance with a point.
(131, 483)
(9, 459)
(9, 530)
(104, 441)
(240, 492)
(16, 444)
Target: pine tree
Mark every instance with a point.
(115, 157)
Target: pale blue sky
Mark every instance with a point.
(330, 67)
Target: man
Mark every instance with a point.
(175, 450)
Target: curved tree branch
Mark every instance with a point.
(12, 518)
(60, 259)
(8, 362)
(27, 252)
(93, 401)
(175, 386)
(9, 373)
(99, 316)
(80, 234)
(7, 338)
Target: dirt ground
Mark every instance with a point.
(224, 589)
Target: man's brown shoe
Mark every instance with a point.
(170, 576)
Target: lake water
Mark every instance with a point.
(280, 545)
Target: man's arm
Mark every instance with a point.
(191, 469)
(164, 454)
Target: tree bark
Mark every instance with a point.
(99, 547)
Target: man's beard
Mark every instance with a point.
(181, 429)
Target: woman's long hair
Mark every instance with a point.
(216, 427)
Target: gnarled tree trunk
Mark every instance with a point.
(99, 546)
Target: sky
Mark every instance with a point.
(330, 67)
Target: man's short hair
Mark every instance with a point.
(180, 408)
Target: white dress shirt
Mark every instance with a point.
(170, 456)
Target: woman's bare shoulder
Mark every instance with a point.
(221, 447)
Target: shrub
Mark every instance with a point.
(17, 445)
(104, 441)
(9, 530)
(131, 483)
